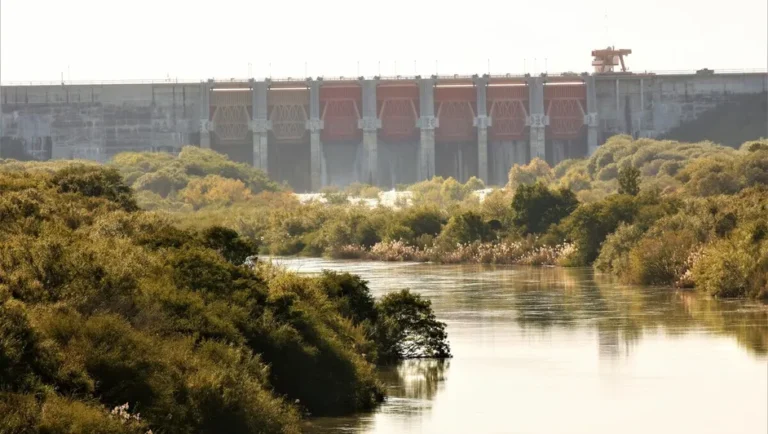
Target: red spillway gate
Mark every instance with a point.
(340, 107)
(398, 108)
(288, 112)
(565, 104)
(455, 108)
(508, 110)
(230, 110)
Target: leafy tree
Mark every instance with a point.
(465, 228)
(407, 328)
(536, 171)
(94, 181)
(351, 294)
(629, 181)
(229, 243)
(535, 207)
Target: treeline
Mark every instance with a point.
(115, 320)
(652, 212)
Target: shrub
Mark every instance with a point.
(465, 228)
(407, 328)
(91, 181)
(474, 183)
(536, 171)
(614, 253)
(214, 190)
(660, 261)
(629, 181)
(536, 207)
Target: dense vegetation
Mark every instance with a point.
(650, 211)
(115, 320)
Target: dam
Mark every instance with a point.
(384, 131)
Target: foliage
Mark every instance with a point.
(465, 228)
(206, 177)
(701, 196)
(118, 320)
(536, 171)
(407, 328)
(629, 181)
(536, 207)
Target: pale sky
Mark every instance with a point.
(154, 39)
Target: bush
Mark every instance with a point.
(93, 181)
(474, 183)
(536, 171)
(535, 207)
(465, 228)
(589, 225)
(657, 261)
(407, 328)
(614, 253)
(629, 181)
(723, 270)
(214, 190)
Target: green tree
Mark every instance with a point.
(535, 207)
(407, 328)
(629, 181)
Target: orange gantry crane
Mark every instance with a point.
(606, 59)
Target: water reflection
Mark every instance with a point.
(411, 387)
(415, 379)
(566, 341)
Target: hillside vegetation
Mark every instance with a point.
(115, 320)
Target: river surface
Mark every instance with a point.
(550, 350)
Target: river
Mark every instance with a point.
(552, 350)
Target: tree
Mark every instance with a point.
(629, 181)
(536, 171)
(465, 228)
(407, 328)
(94, 181)
(535, 207)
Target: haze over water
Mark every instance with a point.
(550, 350)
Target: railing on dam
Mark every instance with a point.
(383, 78)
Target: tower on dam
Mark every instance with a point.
(378, 130)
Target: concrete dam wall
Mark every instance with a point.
(383, 131)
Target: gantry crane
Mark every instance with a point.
(605, 59)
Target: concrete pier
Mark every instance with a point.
(370, 124)
(315, 125)
(427, 123)
(482, 122)
(590, 118)
(537, 118)
(206, 126)
(260, 124)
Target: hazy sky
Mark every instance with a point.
(147, 39)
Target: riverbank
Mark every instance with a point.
(115, 320)
(650, 212)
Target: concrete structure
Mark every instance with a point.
(427, 124)
(260, 124)
(370, 124)
(482, 122)
(385, 131)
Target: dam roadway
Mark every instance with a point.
(381, 130)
